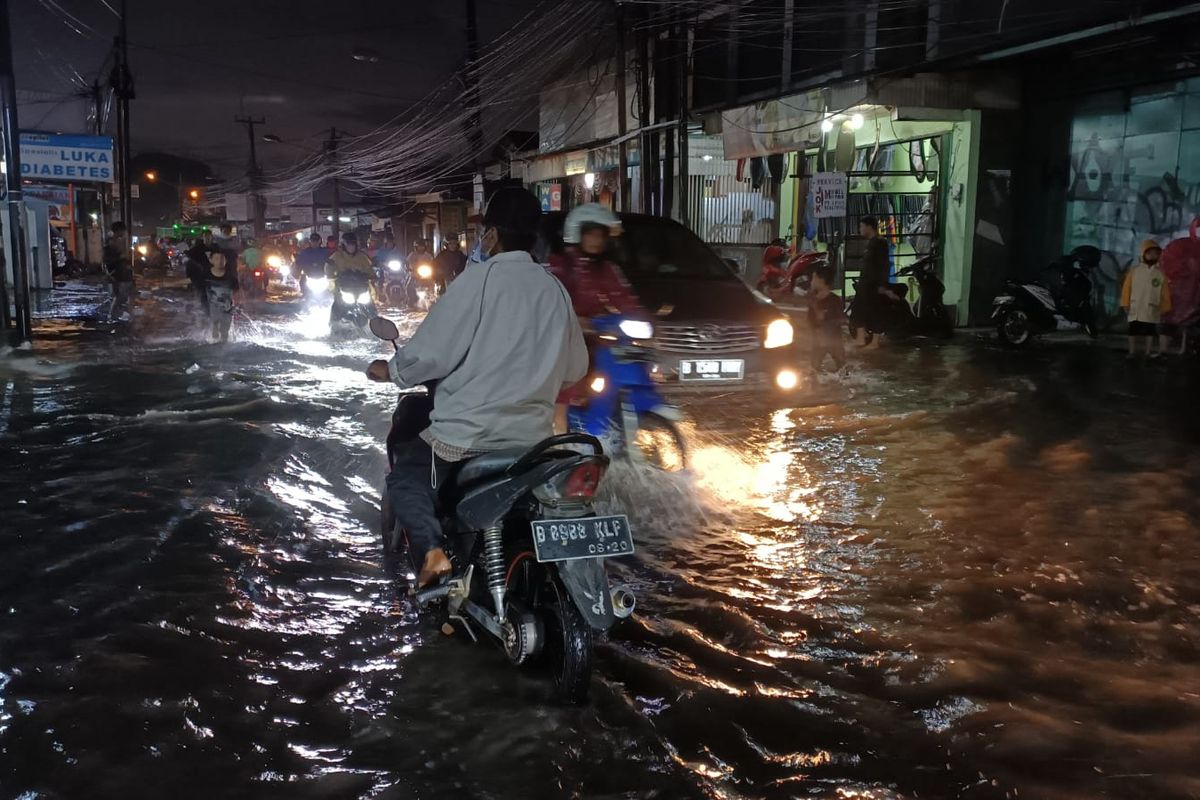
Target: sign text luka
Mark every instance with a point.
(64, 157)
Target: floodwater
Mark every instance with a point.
(958, 572)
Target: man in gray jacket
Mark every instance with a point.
(501, 344)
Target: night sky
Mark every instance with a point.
(197, 65)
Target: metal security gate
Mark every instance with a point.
(908, 210)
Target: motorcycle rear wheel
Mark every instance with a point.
(568, 646)
(566, 650)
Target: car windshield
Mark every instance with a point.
(660, 248)
(654, 248)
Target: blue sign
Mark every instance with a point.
(67, 157)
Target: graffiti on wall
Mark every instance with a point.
(1115, 202)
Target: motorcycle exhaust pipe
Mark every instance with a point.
(623, 601)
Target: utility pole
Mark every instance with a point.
(260, 227)
(13, 198)
(685, 47)
(102, 193)
(647, 168)
(122, 83)
(622, 115)
(331, 149)
(471, 84)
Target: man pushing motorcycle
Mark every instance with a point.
(500, 345)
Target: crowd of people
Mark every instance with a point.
(218, 265)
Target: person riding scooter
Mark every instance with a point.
(310, 262)
(352, 272)
(594, 282)
(501, 344)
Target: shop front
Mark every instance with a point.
(563, 181)
(913, 168)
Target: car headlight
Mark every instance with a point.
(779, 334)
(394, 265)
(348, 298)
(364, 298)
(318, 284)
(637, 328)
(274, 261)
(424, 272)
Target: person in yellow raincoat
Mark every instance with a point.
(1145, 296)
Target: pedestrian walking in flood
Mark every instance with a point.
(826, 317)
(1146, 296)
(874, 301)
(221, 282)
(119, 270)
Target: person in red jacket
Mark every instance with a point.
(594, 282)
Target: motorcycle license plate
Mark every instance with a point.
(589, 537)
(725, 369)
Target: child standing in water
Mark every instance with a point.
(220, 283)
(1145, 297)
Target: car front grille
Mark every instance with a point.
(711, 338)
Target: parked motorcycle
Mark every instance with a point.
(624, 405)
(1027, 309)
(777, 283)
(929, 316)
(527, 547)
(353, 304)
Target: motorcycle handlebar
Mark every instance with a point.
(524, 461)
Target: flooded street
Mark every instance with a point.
(959, 572)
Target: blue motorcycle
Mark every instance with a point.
(624, 407)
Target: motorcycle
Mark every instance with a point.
(929, 316)
(1027, 309)
(426, 285)
(257, 280)
(527, 548)
(397, 284)
(352, 301)
(624, 406)
(777, 283)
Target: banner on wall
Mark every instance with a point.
(773, 127)
(58, 157)
(829, 190)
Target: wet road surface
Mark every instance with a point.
(959, 572)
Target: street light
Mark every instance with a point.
(151, 176)
(194, 194)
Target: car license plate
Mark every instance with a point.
(589, 537)
(725, 369)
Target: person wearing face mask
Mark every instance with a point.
(499, 347)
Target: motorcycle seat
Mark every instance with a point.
(489, 464)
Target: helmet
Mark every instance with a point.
(513, 209)
(349, 237)
(589, 215)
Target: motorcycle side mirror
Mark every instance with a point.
(384, 329)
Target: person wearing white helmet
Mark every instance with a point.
(596, 284)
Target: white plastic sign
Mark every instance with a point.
(829, 194)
